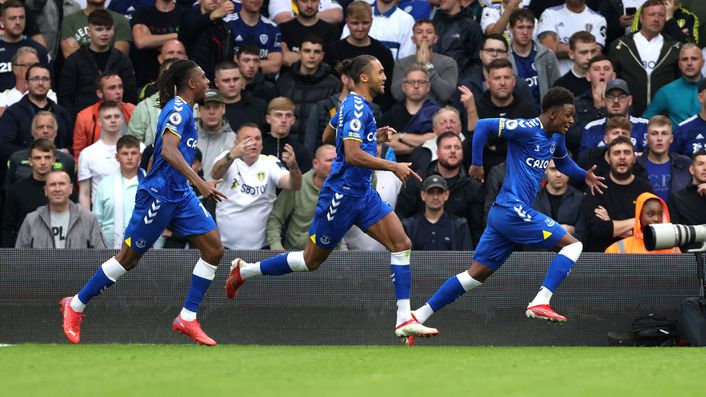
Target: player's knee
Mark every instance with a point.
(313, 264)
(572, 251)
(404, 244)
(213, 254)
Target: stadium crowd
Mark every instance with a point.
(79, 109)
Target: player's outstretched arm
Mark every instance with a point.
(172, 155)
(594, 182)
(359, 158)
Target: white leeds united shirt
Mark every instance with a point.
(565, 23)
(251, 194)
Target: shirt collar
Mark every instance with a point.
(377, 13)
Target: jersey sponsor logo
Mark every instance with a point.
(523, 214)
(371, 136)
(253, 190)
(191, 142)
(511, 124)
(537, 163)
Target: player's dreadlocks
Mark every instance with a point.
(174, 79)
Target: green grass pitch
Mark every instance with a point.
(312, 371)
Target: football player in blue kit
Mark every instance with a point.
(348, 198)
(164, 198)
(532, 144)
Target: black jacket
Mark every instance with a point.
(16, 128)
(465, 199)
(77, 89)
(459, 38)
(207, 42)
(23, 197)
(687, 207)
(628, 66)
(450, 233)
(275, 146)
(261, 88)
(569, 212)
(306, 90)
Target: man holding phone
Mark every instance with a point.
(620, 15)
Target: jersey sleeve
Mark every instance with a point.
(547, 22)
(175, 122)
(352, 124)
(276, 170)
(490, 16)
(599, 29)
(276, 42)
(513, 129)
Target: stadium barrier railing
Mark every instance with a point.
(350, 300)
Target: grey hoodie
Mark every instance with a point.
(212, 144)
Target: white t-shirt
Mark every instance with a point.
(648, 50)
(251, 193)
(394, 30)
(278, 6)
(12, 96)
(96, 162)
(565, 23)
(492, 15)
(59, 227)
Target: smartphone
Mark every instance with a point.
(630, 10)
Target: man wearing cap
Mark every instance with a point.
(678, 100)
(434, 229)
(617, 103)
(215, 134)
(690, 136)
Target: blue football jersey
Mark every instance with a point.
(690, 136)
(594, 132)
(354, 120)
(529, 151)
(164, 181)
(265, 35)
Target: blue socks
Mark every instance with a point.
(106, 275)
(452, 289)
(200, 281)
(275, 266)
(558, 269)
(95, 286)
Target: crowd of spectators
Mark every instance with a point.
(79, 108)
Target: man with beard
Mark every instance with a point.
(465, 194)
(610, 216)
(617, 103)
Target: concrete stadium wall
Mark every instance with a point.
(350, 300)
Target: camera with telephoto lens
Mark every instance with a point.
(690, 238)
